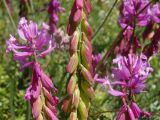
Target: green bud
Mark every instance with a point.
(88, 90)
(82, 110)
(73, 63)
(73, 116)
(76, 97)
(72, 84)
(87, 75)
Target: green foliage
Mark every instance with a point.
(13, 83)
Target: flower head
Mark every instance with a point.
(154, 12)
(53, 10)
(131, 72)
(131, 11)
(34, 46)
(34, 42)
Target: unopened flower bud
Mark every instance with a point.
(74, 42)
(36, 107)
(136, 110)
(88, 89)
(51, 107)
(49, 113)
(77, 16)
(66, 106)
(79, 4)
(87, 29)
(40, 117)
(76, 97)
(87, 75)
(86, 56)
(88, 6)
(131, 115)
(48, 95)
(83, 112)
(73, 62)
(73, 116)
(72, 84)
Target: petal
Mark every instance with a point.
(121, 114)
(33, 29)
(136, 110)
(131, 115)
(49, 113)
(46, 81)
(116, 93)
(50, 49)
(21, 34)
(36, 107)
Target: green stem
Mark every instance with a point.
(10, 16)
(11, 98)
(80, 44)
(104, 21)
(28, 115)
(32, 8)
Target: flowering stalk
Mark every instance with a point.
(39, 92)
(130, 76)
(9, 5)
(53, 10)
(79, 87)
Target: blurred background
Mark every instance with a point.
(13, 82)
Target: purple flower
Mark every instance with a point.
(36, 41)
(130, 112)
(131, 72)
(96, 59)
(53, 10)
(154, 12)
(27, 30)
(136, 110)
(152, 48)
(35, 46)
(130, 13)
(121, 114)
(105, 83)
(41, 80)
(33, 90)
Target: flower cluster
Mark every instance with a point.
(96, 59)
(53, 10)
(79, 87)
(135, 13)
(32, 48)
(140, 12)
(130, 75)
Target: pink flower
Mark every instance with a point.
(105, 83)
(130, 12)
(75, 16)
(35, 47)
(96, 59)
(136, 110)
(131, 72)
(154, 12)
(36, 42)
(53, 10)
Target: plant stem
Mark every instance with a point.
(106, 18)
(9, 14)
(28, 115)
(32, 8)
(11, 98)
